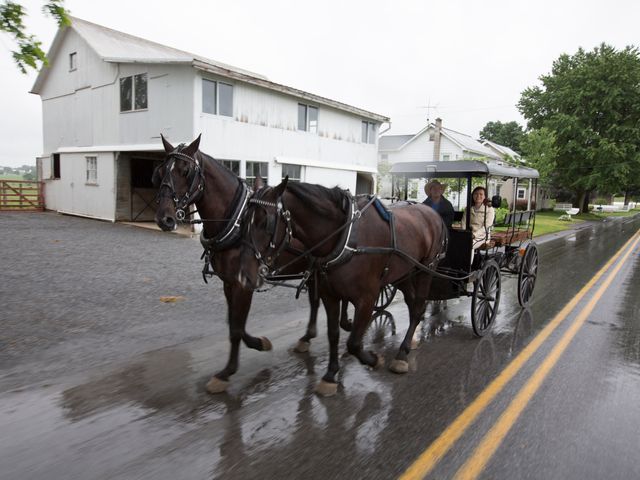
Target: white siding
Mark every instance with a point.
(72, 194)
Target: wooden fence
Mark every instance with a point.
(21, 195)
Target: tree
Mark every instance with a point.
(28, 54)
(591, 103)
(509, 134)
(539, 148)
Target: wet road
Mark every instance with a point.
(99, 379)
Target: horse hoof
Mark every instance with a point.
(399, 366)
(266, 344)
(216, 385)
(301, 347)
(326, 389)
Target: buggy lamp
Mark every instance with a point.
(521, 251)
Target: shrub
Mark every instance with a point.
(504, 203)
(500, 214)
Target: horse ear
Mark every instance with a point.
(279, 190)
(258, 183)
(168, 148)
(193, 148)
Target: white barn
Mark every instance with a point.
(107, 96)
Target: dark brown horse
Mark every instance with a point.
(188, 176)
(311, 213)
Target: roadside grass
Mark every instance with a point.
(548, 221)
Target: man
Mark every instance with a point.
(435, 200)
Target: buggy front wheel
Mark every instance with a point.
(486, 298)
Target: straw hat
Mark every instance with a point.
(431, 184)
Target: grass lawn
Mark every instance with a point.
(547, 222)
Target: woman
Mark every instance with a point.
(482, 216)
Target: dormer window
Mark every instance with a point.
(73, 59)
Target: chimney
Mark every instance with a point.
(436, 140)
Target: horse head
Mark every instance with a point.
(180, 182)
(266, 230)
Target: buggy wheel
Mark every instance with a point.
(527, 274)
(486, 298)
(385, 297)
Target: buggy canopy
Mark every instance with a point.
(461, 169)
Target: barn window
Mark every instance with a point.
(217, 98)
(73, 58)
(233, 165)
(307, 118)
(368, 132)
(293, 171)
(92, 170)
(255, 169)
(56, 166)
(133, 93)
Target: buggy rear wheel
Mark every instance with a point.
(385, 297)
(527, 274)
(486, 298)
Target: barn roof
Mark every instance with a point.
(119, 47)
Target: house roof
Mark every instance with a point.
(393, 142)
(504, 150)
(118, 47)
(465, 142)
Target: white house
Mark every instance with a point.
(107, 96)
(432, 143)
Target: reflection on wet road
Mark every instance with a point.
(148, 416)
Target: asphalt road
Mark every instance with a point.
(100, 379)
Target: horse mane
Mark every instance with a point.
(328, 202)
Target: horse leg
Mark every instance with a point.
(345, 323)
(238, 304)
(415, 298)
(328, 385)
(314, 302)
(361, 320)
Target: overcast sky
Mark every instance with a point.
(469, 60)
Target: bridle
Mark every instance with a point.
(268, 258)
(197, 184)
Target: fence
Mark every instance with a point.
(20, 195)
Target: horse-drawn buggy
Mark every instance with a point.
(474, 263)
(351, 248)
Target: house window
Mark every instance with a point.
(92, 170)
(217, 98)
(56, 166)
(368, 132)
(521, 193)
(255, 169)
(293, 171)
(73, 58)
(307, 118)
(446, 157)
(233, 165)
(133, 93)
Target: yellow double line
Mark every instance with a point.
(492, 440)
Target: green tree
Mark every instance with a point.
(509, 134)
(29, 54)
(591, 103)
(539, 148)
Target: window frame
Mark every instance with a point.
(217, 93)
(55, 167)
(308, 127)
(73, 61)
(292, 178)
(524, 193)
(368, 132)
(233, 165)
(133, 92)
(91, 169)
(250, 179)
